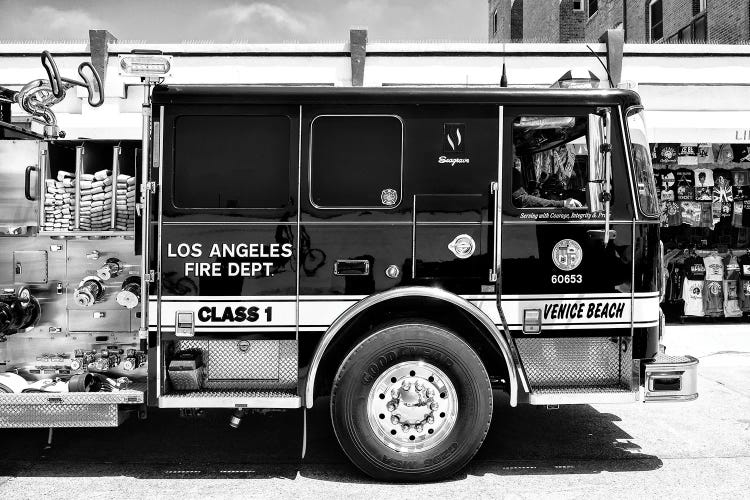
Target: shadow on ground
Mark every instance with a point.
(522, 441)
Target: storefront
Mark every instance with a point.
(702, 173)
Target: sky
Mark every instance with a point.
(249, 21)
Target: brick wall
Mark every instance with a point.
(541, 21)
(607, 17)
(504, 14)
(572, 23)
(728, 21)
(677, 15)
(636, 21)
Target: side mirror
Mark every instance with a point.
(599, 191)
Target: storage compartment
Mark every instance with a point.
(243, 364)
(90, 187)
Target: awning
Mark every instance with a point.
(716, 127)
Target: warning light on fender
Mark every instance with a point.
(532, 321)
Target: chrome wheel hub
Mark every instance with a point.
(412, 406)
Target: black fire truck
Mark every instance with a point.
(405, 255)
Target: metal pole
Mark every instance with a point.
(145, 212)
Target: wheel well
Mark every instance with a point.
(427, 309)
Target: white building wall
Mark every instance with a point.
(691, 92)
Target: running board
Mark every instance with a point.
(232, 399)
(582, 395)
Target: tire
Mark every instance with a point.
(401, 371)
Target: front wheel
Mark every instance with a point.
(412, 402)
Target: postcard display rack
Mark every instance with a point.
(89, 188)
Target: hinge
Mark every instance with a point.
(150, 277)
(151, 187)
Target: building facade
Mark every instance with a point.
(644, 21)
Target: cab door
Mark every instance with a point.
(227, 246)
(564, 290)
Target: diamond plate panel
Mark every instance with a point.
(576, 361)
(232, 394)
(260, 364)
(72, 398)
(58, 415)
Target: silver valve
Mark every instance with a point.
(89, 291)
(110, 269)
(130, 295)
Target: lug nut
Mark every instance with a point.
(418, 385)
(394, 393)
(434, 405)
(405, 427)
(405, 385)
(391, 406)
(429, 393)
(395, 420)
(430, 419)
(418, 427)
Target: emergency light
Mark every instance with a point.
(145, 65)
(577, 79)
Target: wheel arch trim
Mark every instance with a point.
(415, 291)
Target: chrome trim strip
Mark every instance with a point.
(229, 402)
(415, 291)
(159, 228)
(299, 230)
(331, 223)
(309, 163)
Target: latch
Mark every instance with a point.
(150, 277)
(150, 187)
(184, 324)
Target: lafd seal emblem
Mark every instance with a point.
(567, 254)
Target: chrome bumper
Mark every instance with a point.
(670, 378)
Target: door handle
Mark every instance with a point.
(494, 188)
(598, 234)
(351, 267)
(27, 183)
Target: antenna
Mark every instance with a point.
(609, 77)
(504, 77)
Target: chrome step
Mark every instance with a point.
(261, 398)
(670, 378)
(570, 395)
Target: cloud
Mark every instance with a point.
(258, 13)
(47, 22)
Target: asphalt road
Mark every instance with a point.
(699, 449)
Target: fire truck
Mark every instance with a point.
(409, 256)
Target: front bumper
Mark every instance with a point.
(670, 378)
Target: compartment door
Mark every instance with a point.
(19, 185)
(228, 224)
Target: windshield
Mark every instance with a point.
(640, 152)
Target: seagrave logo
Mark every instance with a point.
(453, 137)
(454, 143)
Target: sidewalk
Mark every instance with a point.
(705, 340)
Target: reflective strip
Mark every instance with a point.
(316, 313)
